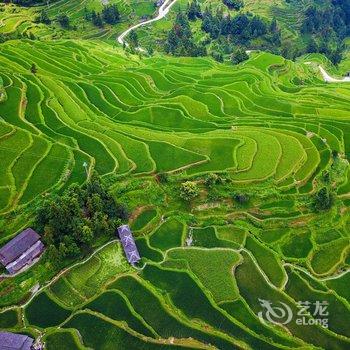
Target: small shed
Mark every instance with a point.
(129, 245)
(14, 341)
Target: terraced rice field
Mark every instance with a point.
(196, 296)
(270, 126)
(82, 109)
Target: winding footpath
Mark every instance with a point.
(162, 12)
(55, 278)
(327, 78)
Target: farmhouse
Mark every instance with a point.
(13, 341)
(21, 251)
(129, 245)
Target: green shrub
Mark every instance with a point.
(189, 190)
(43, 312)
(323, 200)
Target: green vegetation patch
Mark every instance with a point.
(113, 305)
(45, 312)
(326, 236)
(179, 157)
(100, 334)
(231, 233)
(338, 314)
(241, 312)
(206, 237)
(168, 235)
(65, 293)
(62, 340)
(214, 268)
(146, 251)
(297, 245)
(143, 219)
(328, 256)
(340, 285)
(253, 288)
(187, 296)
(88, 277)
(160, 317)
(8, 319)
(273, 235)
(267, 260)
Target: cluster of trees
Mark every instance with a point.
(63, 20)
(180, 40)
(28, 2)
(43, 17)
(333, 50)
(240, 29)
(70, 223)
(16, 35)
(133, 40)
(212, 179)
(327, 27)
(239, 55)
(327, 21)
(189, 190)
(194, 10)
(110, 15)
(234, 4)
(227, 35)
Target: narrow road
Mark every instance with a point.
(327, 78)
(162, 12)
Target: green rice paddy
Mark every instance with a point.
(270, 129)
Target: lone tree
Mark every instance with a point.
(189, 190)
(323, 200)
(133, 39)
(63, 20)
(43, 18)
(241, 198)
(212, 179)
(239, 56)
(96, 19)
(33, 68)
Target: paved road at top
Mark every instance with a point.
(162, 12)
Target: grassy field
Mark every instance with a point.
(269, 132)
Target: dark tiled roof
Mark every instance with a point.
(18, 245)
(26, 258)
(13, 341)
(128, 243)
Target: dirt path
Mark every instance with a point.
(55, 278)
(327, 78)
(162, 12)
